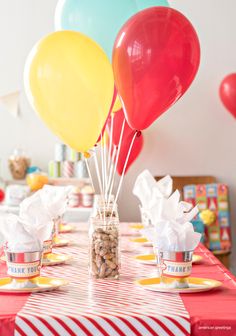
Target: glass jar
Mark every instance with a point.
(18, 164)
(102, 209)
(99, 199)
(104, 248)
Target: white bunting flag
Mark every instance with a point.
(11, 102)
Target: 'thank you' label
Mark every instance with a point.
(176, 269)
(24, 270)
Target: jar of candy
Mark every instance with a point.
(18, 164)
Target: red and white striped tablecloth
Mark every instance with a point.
(101, 307)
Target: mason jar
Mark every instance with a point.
(104, 248)
(102, 209)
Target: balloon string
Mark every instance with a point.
(117, 156)
(103, 175)
(102, 163)
(89, 172)
(97, 171)
(110, 141)
(111, 168)
(105, 168)
(124, 168)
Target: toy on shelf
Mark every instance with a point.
(67, 163)
(82, 196)
(15, 194)
(214, 217)
(36, 180)
(18, 164)
(2, 195)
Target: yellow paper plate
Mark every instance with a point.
(147, 259)
(141, 240)
(66, 228)
(60, 242)
(52, 259)
(136, 226)
(195, 285)
(197, 258)
(150, 259)
(42, 284)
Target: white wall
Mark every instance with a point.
(196, 136)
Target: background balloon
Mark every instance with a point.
(118, 119)
(155, 59)
(228, 93)
(128, 134)
(136, 150)
(69, 82)
(101, 20)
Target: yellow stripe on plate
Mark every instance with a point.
(136, 226)
(139, 240)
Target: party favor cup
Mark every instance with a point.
(23, 265)
(56, 227)
(174, 267)
(47, 247)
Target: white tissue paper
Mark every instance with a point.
(151, 192)
(35, 217)
(55, 199)
(172, 229)
(22, 237)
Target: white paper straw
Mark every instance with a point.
(105, 169)
(116, 162)
(110, 141)
(124, 168)
(111, 167)
(97, 171)
(89, 172)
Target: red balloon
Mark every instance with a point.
(228, 93)
(118, 120)
(127, 138)
(136, 149)
(155, 59)
(2, 195)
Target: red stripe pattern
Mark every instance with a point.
(101, 307)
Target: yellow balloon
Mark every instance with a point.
(69, 82)
(117, 105)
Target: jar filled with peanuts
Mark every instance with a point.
(104, 248)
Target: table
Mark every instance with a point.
(110, 307)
